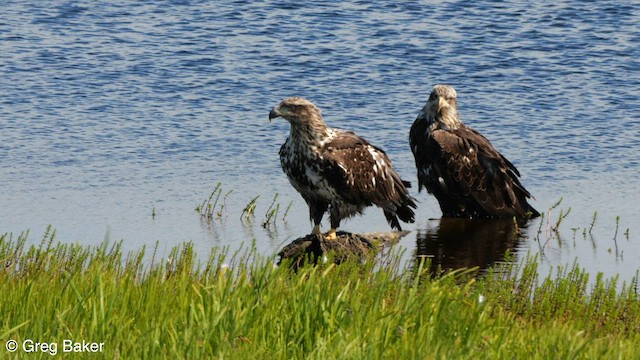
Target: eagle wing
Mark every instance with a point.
(362, 173)
(467, 166)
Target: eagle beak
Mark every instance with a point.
(274, 113)
(442, 102)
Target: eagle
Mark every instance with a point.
(338, 171)
(461, 168)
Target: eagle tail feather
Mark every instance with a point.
(393, 220)
(403, 212)
(406, 214)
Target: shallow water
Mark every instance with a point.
(113, 111)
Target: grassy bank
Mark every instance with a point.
(174, 308)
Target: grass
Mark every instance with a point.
(207, 209)
(272, 213)
(241, 306)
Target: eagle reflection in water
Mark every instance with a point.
(455, 243)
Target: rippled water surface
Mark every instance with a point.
(113, 111)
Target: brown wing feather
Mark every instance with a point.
(420, 143)
(362, 173)
(487, 181)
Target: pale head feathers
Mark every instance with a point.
(303, 116)
(296, 109)
(441, 109)
(444, 91)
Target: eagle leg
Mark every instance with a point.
(334, 218)
(316, 211)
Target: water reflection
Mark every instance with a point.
(453, 243)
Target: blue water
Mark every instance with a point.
(111, 111)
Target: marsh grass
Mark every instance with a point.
(272, 213)
(207, 208)
(549, 230)
(210, 208)
(286, 211)
(242, 306)
(249, 209)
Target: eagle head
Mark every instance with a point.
(304, 117)
(442, 107)
(296, 110)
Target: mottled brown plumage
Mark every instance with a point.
(460, 167)
(338, 171)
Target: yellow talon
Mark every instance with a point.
(316, 230)
(331, 235)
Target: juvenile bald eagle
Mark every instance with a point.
(338, 171)
(461, 168)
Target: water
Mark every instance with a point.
(112, 111)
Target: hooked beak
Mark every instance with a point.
(442, 102)
(437, 105)
(274, 113)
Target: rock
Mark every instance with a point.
(347, 245)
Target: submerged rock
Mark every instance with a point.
(315, 248)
